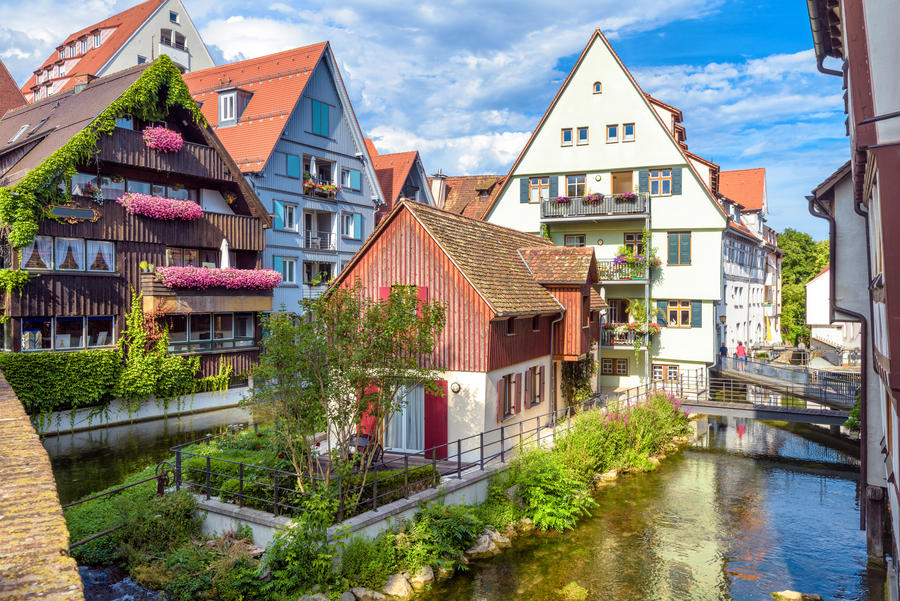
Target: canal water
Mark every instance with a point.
(87, 462)
(746, 510)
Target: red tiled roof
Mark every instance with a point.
(746, 187)
(276, 82)
(742, 227)
(125, 24)
(10, 96)
(471, 195)
(392, 171)
(560, 264)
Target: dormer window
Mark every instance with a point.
(61, 54)
(227, 102)
(18, 134)
(97, 40)
(84, 45)
(598, 87)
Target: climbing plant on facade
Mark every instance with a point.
(150, 98)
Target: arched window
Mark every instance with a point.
(598, 87)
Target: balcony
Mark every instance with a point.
(579, 207)
(319, 187)
(160, 299)
(610, 338)
(318, 240)
(126, 147)
(177, 52)
(612, 272)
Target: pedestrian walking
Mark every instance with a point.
(741, 353)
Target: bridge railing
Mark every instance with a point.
(823, 384)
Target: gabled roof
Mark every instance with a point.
(676, 113)
(124, 23)
(276, 82)
(486, 254)
(598, 35)
(747, 187)
(471, 195)
(391, 170)
(741, 227)
(561, 264)
(832, 180)
(10, 96)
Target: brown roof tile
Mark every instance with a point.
(746, 187)
(560, 264)
(10, 96)
(471, 195)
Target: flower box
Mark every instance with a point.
(324, 190)
(562, 200)
(201, 278)
(162, 139)
(594, 199)
(626, 197)
(160, 207)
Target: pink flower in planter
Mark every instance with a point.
(159, 207)
(210, 277)
(162, 139)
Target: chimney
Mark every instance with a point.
(439, 188)
(81, 81)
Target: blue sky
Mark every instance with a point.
(465, 81)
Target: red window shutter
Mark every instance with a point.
(422, 296)
(529, 385)
(518, 398)
(436, 421)
(384, 292)
(366, 424)
(501, 394)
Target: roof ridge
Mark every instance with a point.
(517, 233)
(255, 61)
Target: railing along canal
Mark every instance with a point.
(820, 385)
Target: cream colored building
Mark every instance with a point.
(606, 164)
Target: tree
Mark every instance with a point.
(349, 358)
(804, 258)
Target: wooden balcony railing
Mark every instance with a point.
(126, 147)
(610, 338)
(583, 206)
(611, 272)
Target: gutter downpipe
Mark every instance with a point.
(553, 408)
(816, 210)
(815, 20)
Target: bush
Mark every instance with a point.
(498, 509)
(368, 562)
(48, 381)
(438, 535)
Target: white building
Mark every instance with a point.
(607, 167)
(842, 336)
(131, 37)
(751, 263)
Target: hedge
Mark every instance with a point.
(47, 381)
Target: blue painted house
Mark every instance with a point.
(287, 121)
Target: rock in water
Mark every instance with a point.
(398, 587)
(795, 596)
(444, 572)
(422, 578)
(483, 547)
(501, 541)
(365, 594)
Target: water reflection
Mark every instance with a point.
(90, 461)
(750, 509)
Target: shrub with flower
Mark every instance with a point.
(594, 199)
(311, 186)
(562, 200)
(163, 139)
(160, 207)
(92, 191)
(627, 196)
(213, 277)
(230, 198)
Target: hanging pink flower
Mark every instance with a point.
(212, 277)
(159, 207)
(163, 139)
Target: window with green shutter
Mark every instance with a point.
(696, 314)
(679, 248)
(293, 165)
(319, 118)
(278, 221)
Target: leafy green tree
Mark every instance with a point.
(804, 258)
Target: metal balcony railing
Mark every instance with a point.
(586, 206)
(611, 272)
(318, 240)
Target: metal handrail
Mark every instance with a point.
(592, 206)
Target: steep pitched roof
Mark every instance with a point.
(471, 195)
(124, 24)
(276, 81)
(747, 187)
(832, 180)
(560, 264)
(391, 170)
(598, 35)
(741, 227)
(10, 96)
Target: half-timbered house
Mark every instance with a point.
(517, 307)
(112, 234)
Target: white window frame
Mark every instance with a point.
(587, 136)
(227, 106)
(625, 136)
(289, 262)
(574, 238)
(97, 40)
(292, 210)
(173, 16)
(562, 136)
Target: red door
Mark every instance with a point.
(436, 421)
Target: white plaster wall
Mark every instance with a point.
(883, 47)
(818, 300)
(702, 279)
(465, 409)
(526, 414)
(688, 344)
(146, 41)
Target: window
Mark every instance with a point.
(200, 331)
(317, 273)
(612, 133)
(100, 331)
(125, 122)
(243, 329)
(223, 329)
(574, 240)
(292, 165)
(634, 242)
(226, 106)
(320, 118)
(511, 326)
(679, 314)
(661, 182)
(173, 16)
(585, 311)
(533, 386)
(97, 40)
(101, 255)
(582, 136)
(618, 310)
(575, 185)
(141, 59)
(614, 367)
(83, 46)
(183, 257)
(628, 132)
(37, 334)
(538, 189)
(621, 367)
(205, 331)
(351, 179)
(287, 267)
(606, 367)
(536, 323)
(665, 373)
(566, 136)
(38, 254)
(351, 226)
(286, 216)
(679, 248)
(598, 87)
(61, 54)
(67, 333)
(18, 133)
(69, 254)
(507, 400)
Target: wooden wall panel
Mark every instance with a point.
(524, 345)
(404, 254)
(570, 338)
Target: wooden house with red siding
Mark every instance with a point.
(517, 307)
